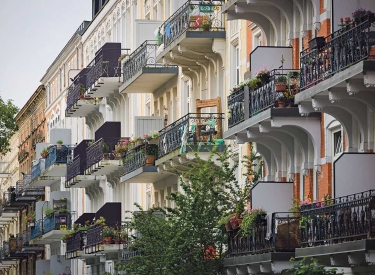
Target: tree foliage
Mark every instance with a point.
(8, 125)
(312, 268)
(189, 239)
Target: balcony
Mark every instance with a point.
(27, 193)
(142, 74)
(50, 169)
(128, 252)
(104, 71)
(10, 202)
(75, 245)
(192, 132)
(339, 229)
(139, 164)
(264, 102)
(50, 229)
(23, 154)
(337, 64)
(77, 105)
(10, 252)
(268, 248)
(23, 244)
(192, 31)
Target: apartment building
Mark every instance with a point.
(173, 76)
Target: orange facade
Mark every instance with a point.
(32, 129)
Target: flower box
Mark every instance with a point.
(317, 42)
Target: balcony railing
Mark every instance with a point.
(338, 220)
(73, 168)
(57, 156)
(9, 197)
(137, 157)
(191, 129)
(19, 241)
(245, 103)
(143, 56)
(105, 64)
(341, 50)
(50, 223)
(38, 168)
(128, 252)
(74, 244)
(101, 149)
(26, 237)
(9, 247)
(77, 88)
(193, 16)
(282, 234)
(94, 238)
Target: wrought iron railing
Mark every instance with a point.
(279, 234)
(19, 241)
(9, 197)
(100, 149)
(192, 16)
(245, 103)
(77, 88)
(6, 249)
(24, 185)
(193, 128)
(341, 50)
(38, 168)
(75, 243)
(105, 64)
(57, 155)
(143, 56)
(26, 238)
(137, 157)
(36, 230)
(94, 238)
(128, 252)
(73, 169)
(338, 220)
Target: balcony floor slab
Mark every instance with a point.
(196, 40)
(104, 249)
(149, 79)
(49, 237)
(83, 181)
(338, 80)
(145, 174)
(104, 87)
(105, 167)
(83, 108)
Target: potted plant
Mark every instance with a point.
(30, 218)
(280, 83)
(151, 151)
(225, 220)
(82, 91)
(105, 150)
(59, 144)
(154, 138)
(138, 141)
(108, 234)
(293, 74)
(100, 221)
(67, 235)
(44, 153)
(124, 237)
(264, 75)
(206, 25)
(361, 15)
(116, 237)
(249, 218)
(49, 212)
(122, 147)
(48, 273)
(254, 83)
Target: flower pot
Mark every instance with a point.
(117, 241)
(81, 96)
(317, 42)
(206, 27)
(58, 146)
(280, 87)
(281, 104)
(154, 141)
(265, 78)
(31, 224)
(139, 143)
(150, 160)
(44, 155)
(108, 240)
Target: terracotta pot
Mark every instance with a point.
(280, 87)
(150, 160)
(108, 239)
(44, 155)
(228, 227)
(239, 221)
(117, 242)
(281, 104)
(81, 97)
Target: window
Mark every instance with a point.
(237, 65)
(337, 142)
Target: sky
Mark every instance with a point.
(32, 34)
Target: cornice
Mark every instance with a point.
(34, 101)
(65, 53)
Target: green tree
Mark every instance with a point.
(8, 125)
(189, 240)
(313, 268)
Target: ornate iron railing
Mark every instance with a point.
(143, 56)
(6, 249)
(245, 103)
(9, 196)
(77, 88)
(193, 128)
(105, 64)
(73, 169)
(74, 244)
(339, 220)
(94, 238)
(38, 168)
(128, 252)
(100, 149)
(26, 238)
(57, 155)
(19, 241)
(36, 230)
(341, 50)
(192, 16)
(137, 157)
(279, 234)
